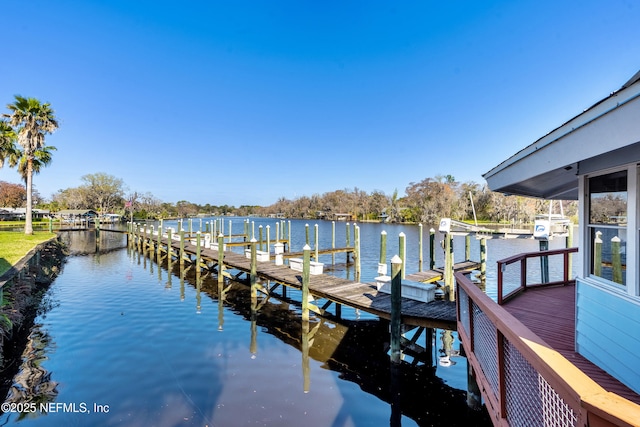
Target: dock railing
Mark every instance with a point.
(522, 259)
(524, 382)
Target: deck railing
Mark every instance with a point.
(522, 259)
(523, 381)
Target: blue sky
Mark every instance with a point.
(243, 102)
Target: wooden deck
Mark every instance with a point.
(550, 314)
(361, 296)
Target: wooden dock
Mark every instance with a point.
(335, 290)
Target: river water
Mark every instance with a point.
(125, 341)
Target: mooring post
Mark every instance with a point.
(402, 247)
(181, 246)
(169, 241)
(198, 234)
(467, 247)
(396, 307)
(420, 247)
(315, 241)
(277, 232)
(333, 242)
(220, 258)
(448, 265)
(432, 249)
(230, 233)
(544, 262)
(306, 267)
(190, 227)
(289, 236)
(253, 231)
(616, 259)
(254, 264)
(483, 259)
(306, 234)
(159, 248)
(383, 247)
(356, 241)
(348, 235)
(246, 230)
(260, 235)
(214, 226)
(268, 242)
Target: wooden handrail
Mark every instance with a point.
(588, 400)
(522, 258)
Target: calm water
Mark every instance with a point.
(125, 342)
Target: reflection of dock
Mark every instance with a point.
(338, 291)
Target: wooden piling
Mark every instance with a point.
(254, 264)
(467, 247)
(356, 237)
(396, 308)
(306, 234)
(544, 262)
(260, 236)
(315, 242)
(402, 248)
(306, 267)
(348, 235)
(198, 258)
(268, 241)
(569, 244)
(383, 247)
(181, 246)
(420, 247)
(448, 265)
(333, 241)
(432, 249)
(483, 259)
(220, 258)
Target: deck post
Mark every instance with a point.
(483, 259)
(306, 267)
(315, 241)
(420, 247)
(383, 247)
(220, 258)
(467, 247)
(396, 307)
(616, 261)
(597, 254)
(432, 248)
(544, 262)
(402, 247)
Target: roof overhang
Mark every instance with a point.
(603, 136)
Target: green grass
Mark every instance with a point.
(15, 245)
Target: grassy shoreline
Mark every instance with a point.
(15, 245)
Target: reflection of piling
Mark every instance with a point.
(306, 369)
(616, 260)
(396, 307)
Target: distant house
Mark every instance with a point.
(7, 214)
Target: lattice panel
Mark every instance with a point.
(485, 346)
(463, 303)
(530, 400)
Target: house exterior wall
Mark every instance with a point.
(608, 330)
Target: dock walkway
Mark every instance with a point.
(361, 296)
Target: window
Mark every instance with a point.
(608, 226)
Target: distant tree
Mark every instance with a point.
(104, 191)
(12, 195)
(33, 120)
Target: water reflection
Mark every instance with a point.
(33, 384)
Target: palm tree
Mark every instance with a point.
(33, 120)
(7, 142)
(41, 158)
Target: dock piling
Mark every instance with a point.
(220, 258)
(383, 247)
(432, 249)
(306, 267)
(402, 248)
(396, 307)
